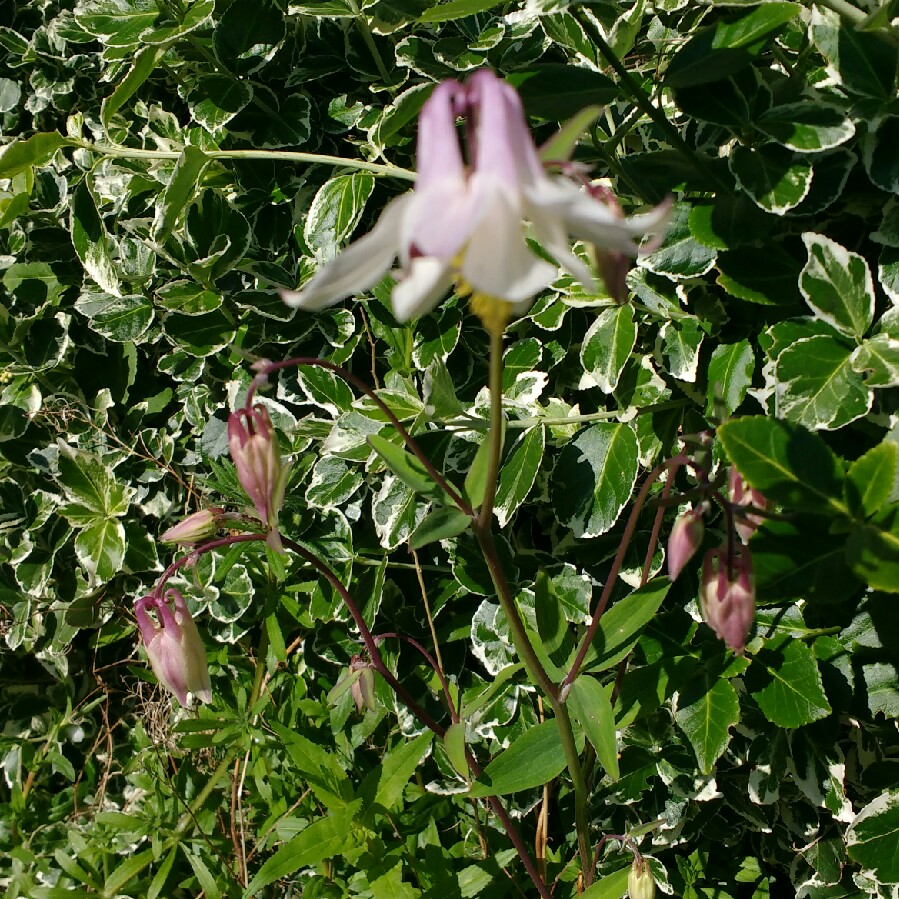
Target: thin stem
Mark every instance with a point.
(495, 434)
(200, 550)
(360, 385)
(365, 31)
(617, 562)
(122, 152)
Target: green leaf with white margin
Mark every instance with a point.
(332, 483)
(86, 481)
(335, 211)
(144, 63)
(90, 239)
(322, 839)
(519, 471)
(535, 758)
(837, 285)
(590, 705)
(215, 99)
(37, 150)
(729, 376)
(819, 770)
(403, 464)
(608, 345)
(816, 385)
(680, 255)
(789, 464)
(397, 511)
(122, 319)
(806, 127)
(179, 192)
(677, 348)
(879, 156)
(706, 710)
(118, 23)
(877, 358)
(888, 271)
(869, 480)
(441, 523)
(785, 682)
(775, 179)
(872, 838)
(593, 478)
(100, 548)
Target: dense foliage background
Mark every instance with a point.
(155, 194)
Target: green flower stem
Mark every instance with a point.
(122, 152)
(495, 434)
(365, 31)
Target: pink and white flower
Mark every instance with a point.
(468, 223)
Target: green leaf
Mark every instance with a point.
(322, 839)
(877, 359)
(729, 375)
(790, 465)
(621, 625)
(398, 765)
(144, 64)
(335, 211)
(454, 744)
(100, 548)
(476, 479)
(680, 342)
(817, 386)
(118, 23)
(557, 92)
(87, 481)
(837, 285)
(772, 176)
(870, 478)
(880, 162)
(90, 239)
(706, 710)
(532, 760)
(592, 710)
(768, 276)
(215, 99)
(440, 523)
(609, 886)
(179, 192)
(562, 144)
(126, 870)
(552, 626)
(680, 256)
(726, 47)
(247, 35)
(807, 126)
(872, 838)
(785, 682)
(873, 550)
(593, 478)
(518, 473)
(456, 9)
(607, 346)
(403, 464)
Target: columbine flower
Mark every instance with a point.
(196, 527)
(640, 882)
(174, 646)
(254, 449)
(686, 537)
(742, 496)
(727, 595)
(467, 223)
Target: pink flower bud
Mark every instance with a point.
(174, 646)
(363, 688)
(254, 449)
(686, 537)
(640, 882)
(727, 595)
(742, 495)
(195, 528)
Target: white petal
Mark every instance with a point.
(440, 219)
(552, 236)
(428, 279)
(497, 260)
(356, 268)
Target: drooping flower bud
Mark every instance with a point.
(612, 265)
(686, 537)
(254, 449)
(195, 528)
(727, 595)
(174, 646)
(363, 688)
(640, 882)
(742, 495)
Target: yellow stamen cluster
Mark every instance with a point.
(493, 312)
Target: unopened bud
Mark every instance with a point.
(174, 646)
(742, 495)
(363, 689)
(686, 538)
(195, 528)
(727, 595)
(254, 448)
(611, 265)
(640, 882)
